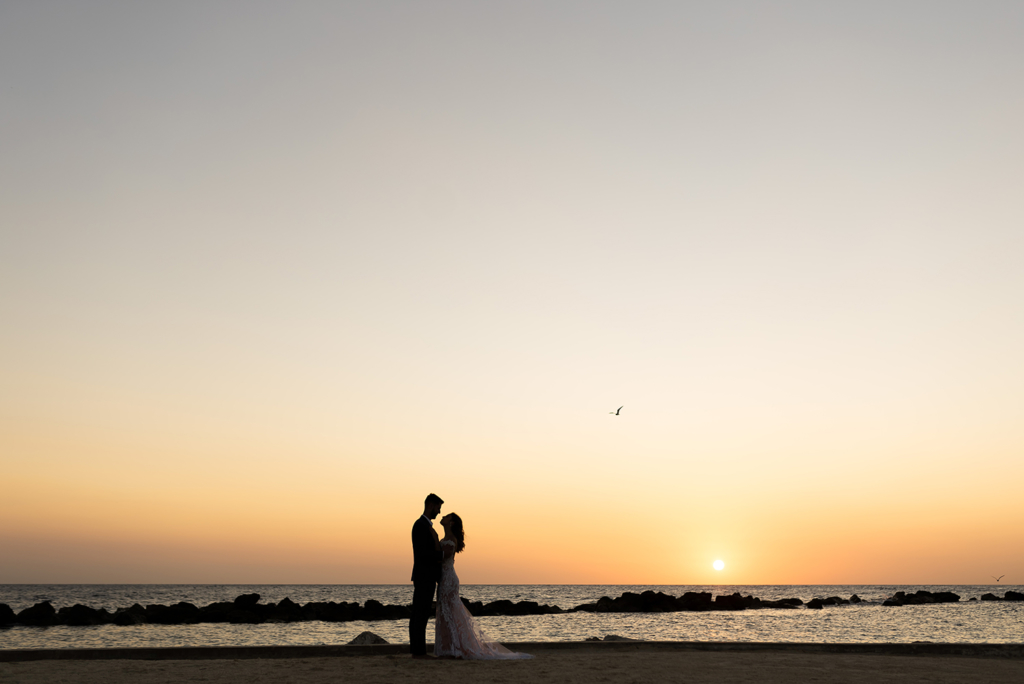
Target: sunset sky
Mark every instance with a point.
(272, 272)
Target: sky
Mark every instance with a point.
(270, 273)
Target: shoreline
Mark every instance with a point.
(553, 663)
(189, 653)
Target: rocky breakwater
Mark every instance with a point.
(920, 598)
(505, 607)
(1008, 596)
(659, 602)
(245, 609)
(819, 603)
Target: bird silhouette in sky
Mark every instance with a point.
(997, 578)
(615, 412)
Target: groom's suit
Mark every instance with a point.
(426, 572)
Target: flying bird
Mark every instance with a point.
(997, 578)
(615, 412)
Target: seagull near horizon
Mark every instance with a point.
(997, 578)
(615, 412)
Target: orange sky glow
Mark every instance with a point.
(267, 278)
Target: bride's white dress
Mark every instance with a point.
(455, 633)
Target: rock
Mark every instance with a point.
(780, 604)
(399, 612)
(855, 599)
(733, 602)
(1013, 596)
(755, 603)
(629, 602)
(218, 612)
(990, 597)
(815, 604)
(39, 615)
(128, 617)
(367, 638)
(373, 610)
(222, 611)
(475, 608)
(693, 600)
(500, 607)
(896, 599)
(246, 600)
(921, 597)
(349, 611)
(82, 616)
(526, 608)
(616, 637)
(945, 597)
(245, 617)
(592, 639)
(534, 608)
(331, 611)
(287, 610)
(181, 613)
(7, 616)
(658, 602)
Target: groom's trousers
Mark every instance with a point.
(422, 609)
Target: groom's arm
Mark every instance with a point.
(424, 539)
(418, 536)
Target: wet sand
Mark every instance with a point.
(562, 666)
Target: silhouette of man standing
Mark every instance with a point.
(426, 572)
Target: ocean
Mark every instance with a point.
(867, 622)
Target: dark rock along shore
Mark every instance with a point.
(247, 609)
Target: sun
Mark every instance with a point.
(718, 565)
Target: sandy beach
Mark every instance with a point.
(565, 667)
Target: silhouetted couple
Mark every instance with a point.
(455, 633)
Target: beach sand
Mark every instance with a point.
(565, 667)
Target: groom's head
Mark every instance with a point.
(432, 506)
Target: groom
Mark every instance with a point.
(426, 571)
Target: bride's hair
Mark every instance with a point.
(460, 534)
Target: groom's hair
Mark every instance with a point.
(433, 499)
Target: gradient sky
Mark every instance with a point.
(272, 272)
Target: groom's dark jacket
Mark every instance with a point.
(426, 557)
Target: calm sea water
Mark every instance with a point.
(868, 622)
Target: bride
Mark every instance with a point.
(455, 633)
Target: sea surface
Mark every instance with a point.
(867, 622)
